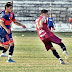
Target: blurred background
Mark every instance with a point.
(26, 11)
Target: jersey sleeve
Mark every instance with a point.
(13, 19)
(3, 18)
(43, 19)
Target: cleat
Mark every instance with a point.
(61, 61)
(10, 60)
(3, 55)
(66, 56)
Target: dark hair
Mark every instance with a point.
(8, 4)
(44, 11)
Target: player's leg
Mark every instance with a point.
(3, 54)
(48, 45)
(4, 46)
(4, 51)
(49, 27)
(11, 50)
(53, 27)
(57, 55)
(57, 40)
(64, 51)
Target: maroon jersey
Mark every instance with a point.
(43, 32)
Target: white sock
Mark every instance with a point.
(9, 57)
(59, 58)
(66, 53)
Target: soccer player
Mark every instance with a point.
(3, 54)
(70, 21)
(48, 37)
(51, 22)
(6, 40)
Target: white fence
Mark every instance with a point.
(26, 11)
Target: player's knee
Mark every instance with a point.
(11, 44)
(61, 44)
(6, 47)
(52, 48)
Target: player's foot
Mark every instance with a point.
(66, 55)
(61, 61)
(10, 60)
(3, 55)
(53, 28)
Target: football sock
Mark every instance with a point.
(55, 54)
(9, 57)
(11, 50)
(4, 51)
(63, 46)
(2, 48)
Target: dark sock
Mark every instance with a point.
(2, 48)
(55, 54)
(11, 50)
(4, 51)
(63, 46)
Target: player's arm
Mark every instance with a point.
(16, 23)
(41, 24)
(3, 25)
(53, 22)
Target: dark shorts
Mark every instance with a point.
(5, 40)
(51, 27)
(48, 42)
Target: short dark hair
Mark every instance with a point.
(44, 11)
(8, 4)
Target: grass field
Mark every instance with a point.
(31, 56)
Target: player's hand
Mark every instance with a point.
(8, 31)
(23, 26)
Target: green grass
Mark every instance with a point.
(31, 56)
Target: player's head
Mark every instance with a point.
(9, 7)
(9, 3)
(44, 13)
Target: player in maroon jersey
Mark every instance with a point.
(48, 37)
(70, 21)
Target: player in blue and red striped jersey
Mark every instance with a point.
(3, 54)
(6, 40)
